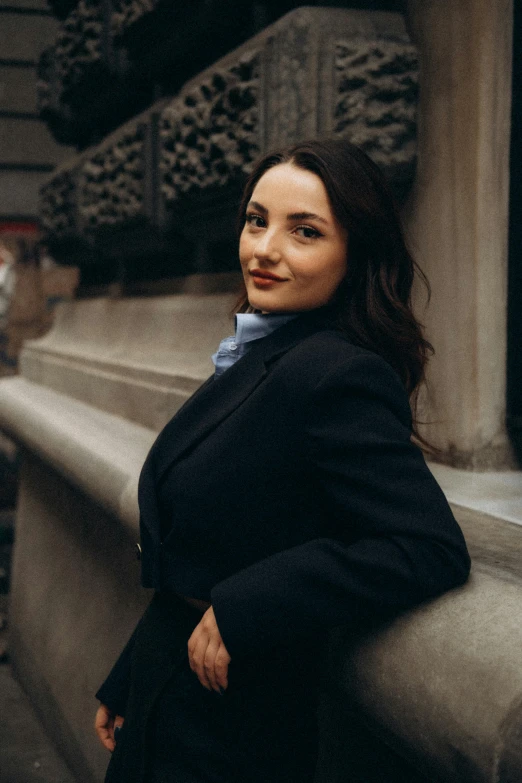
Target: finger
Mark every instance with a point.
(195, 639)
(191, 646)
(103, 726)
(221, 667)
(102, 717)
(209, 664)
(118, 723)
(198, 660)
(105, 737)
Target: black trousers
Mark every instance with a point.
(262, 730)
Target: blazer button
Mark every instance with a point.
(138, 551)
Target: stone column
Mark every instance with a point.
(458, 220)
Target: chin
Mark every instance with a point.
(265, 306)
(260, 302)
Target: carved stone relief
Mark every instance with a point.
(376, 95)
(316, 72)
(57, 204)
(79, 42)
(210, 132)
(126, 12)
(110, 183)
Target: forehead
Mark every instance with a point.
(291, 188)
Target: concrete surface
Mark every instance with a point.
(457, 220)
(26, 752)
(497, 494)
(136, 358)
(443, 684)
(100, 453)
(75, 599)
(494, 543)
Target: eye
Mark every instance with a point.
(307, 232)
(256, 221)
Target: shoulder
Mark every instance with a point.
(326, 366)
(328, 352)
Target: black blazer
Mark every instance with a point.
(288, 492)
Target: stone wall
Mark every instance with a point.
(27, 150)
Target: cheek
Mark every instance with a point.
(245, 247)
(341, 269)
(329, 273)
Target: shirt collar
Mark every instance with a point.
(253, 326)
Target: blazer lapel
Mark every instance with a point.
(218, 398)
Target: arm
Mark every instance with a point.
(396, 543)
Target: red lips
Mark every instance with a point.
(261, 273)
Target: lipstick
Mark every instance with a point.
(264, 279)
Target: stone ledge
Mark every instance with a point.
(97, 452)
(442, 684)
(495, 493)
(137, 358)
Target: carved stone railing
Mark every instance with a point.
(210, 133)
(110, 181)
(125, 13)
(383, 80)
(78, 45)
(315, 72)
(111, 58)
(58, 203)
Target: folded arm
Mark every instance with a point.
(396, 543)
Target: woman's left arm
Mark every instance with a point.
(396, 543)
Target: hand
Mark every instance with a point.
(104, 725)
(208, 656)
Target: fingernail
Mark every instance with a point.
(117, 730)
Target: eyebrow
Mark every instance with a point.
(292, 216)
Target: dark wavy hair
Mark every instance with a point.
(372, 305)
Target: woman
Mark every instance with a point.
(286, 496)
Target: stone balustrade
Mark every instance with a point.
(314, 72)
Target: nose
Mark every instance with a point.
(267, 247)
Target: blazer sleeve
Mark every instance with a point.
(114, 692)
(396, 544)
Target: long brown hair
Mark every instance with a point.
(372, 306)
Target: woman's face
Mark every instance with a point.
(293, 252)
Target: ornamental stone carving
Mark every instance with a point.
(210, 133)
(79, 42)
(346, 73)
(315, 72)
(376, 95)
(126, 12)
(110, 183)
(58, 204)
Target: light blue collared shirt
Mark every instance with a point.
(249, 327)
